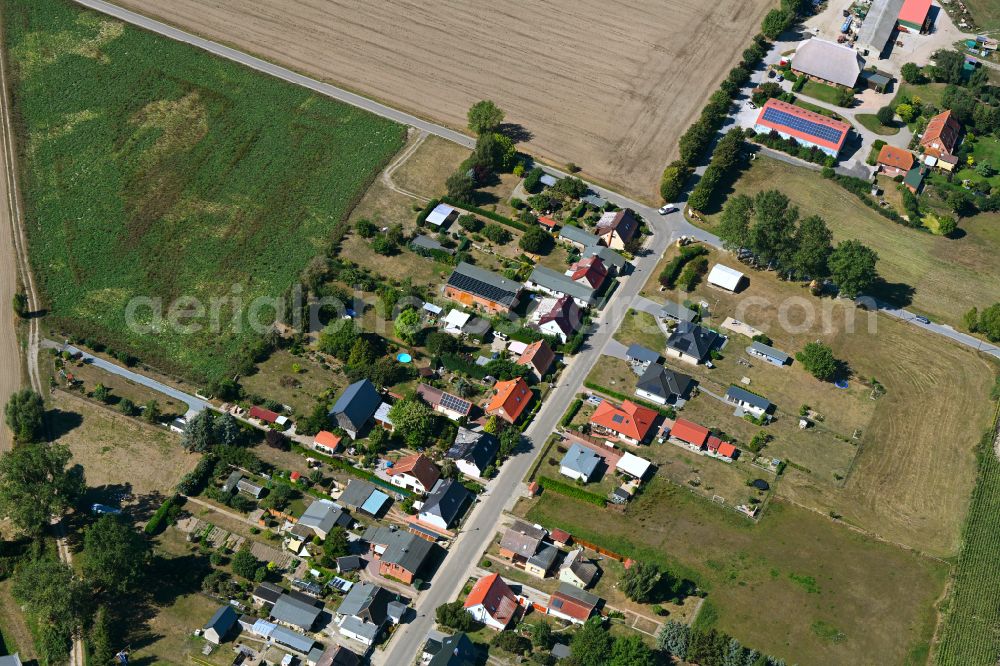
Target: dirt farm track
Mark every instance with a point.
(607, 85)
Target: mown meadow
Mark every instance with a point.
(152, 169)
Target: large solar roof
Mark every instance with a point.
(455, 404)
(804, 125)
(473, 285)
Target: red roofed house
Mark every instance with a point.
(539, 357)
(416, 473)
(590, 272)
(571, 603)
(559, 317)
(806, 127)
(630, 422)
(615, 228)
(914, 14)
(895, 161)
(691, 434)
(510, 399)
(547, 222)
(261, 414)
(560, 537)
(941, 135)
(491, 602)
(326, 442)
(719, 449)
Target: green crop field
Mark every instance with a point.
(152, 169)
(969, 634)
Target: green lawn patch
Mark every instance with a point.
(871, 123)
(838, 574)
(820, 91)
(153, 169)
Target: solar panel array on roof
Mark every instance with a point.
(474, 286)
(803, 125)
(618, 418)
(455, 404)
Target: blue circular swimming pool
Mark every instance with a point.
(404, 358)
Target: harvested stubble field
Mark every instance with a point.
(610, 90)
(153, 169)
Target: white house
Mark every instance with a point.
(633, 465)
(455, 322)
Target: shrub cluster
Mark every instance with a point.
(669, 274)
(159, 521)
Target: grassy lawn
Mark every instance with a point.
(706, 476)
(947, 276)
(154, 169)
(877, 596)
(870, 121)
(116, 450)
(171, 636)
(985, 12)
(820, 91)
(615, 374)
(907, 484)
(985, 149)
(929, 93)
(641, 328)
(426, 171)
(120, 388)
(276, 379)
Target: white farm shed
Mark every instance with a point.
(440, 215)
(633, 465)
(725, 277)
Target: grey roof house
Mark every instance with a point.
(676, 312)
(640, 357)
(768, 353)
(579, 463)
(230, 484)
(294, 612)
(364, 611)
(457, 650)
(691, 343)
(747, 401)
(323, 515)
(428, 244)
(221, 623)
(521, 540)
(473, 451)
(558, 284)
(267, 593)
(355, 407)
(398, 552)
(292, 640)
(662, 385)
(444, 505)
(577, 236)
(610, 258)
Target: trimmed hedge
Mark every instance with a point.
(574, 407)
(352, 469)
(156, 523)
(669, 274)
(571, 491)
(513, 224)
(194, 481)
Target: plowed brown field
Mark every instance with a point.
(609, 86)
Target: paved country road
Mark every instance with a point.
(194, 403)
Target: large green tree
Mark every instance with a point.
(536, 240)
(852, 266)
(630, 650)
(772, 235)
(408, 325)
(413, 420)
(114, 555)
(36, 485)
(734, 225)
(25, 416)
(54, 599)
(813, 245)
(199, 434)
(485, 116)
(818, 359)
(591, 644)
(640, 580)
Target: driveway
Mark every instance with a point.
(194, 403)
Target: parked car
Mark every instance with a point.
(664, 210)
(770, 73)
(922, 319)
(751, 105)
(781, 77)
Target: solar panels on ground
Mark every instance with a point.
(455, 404)
(804, 125)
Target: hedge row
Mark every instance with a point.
(351, 469)
(571, 491)
(513, 224)
(860, 188)
(670, 272)
(422, 217)
(574, 407)
(669, 412)
(194, 481)
(156, 523)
